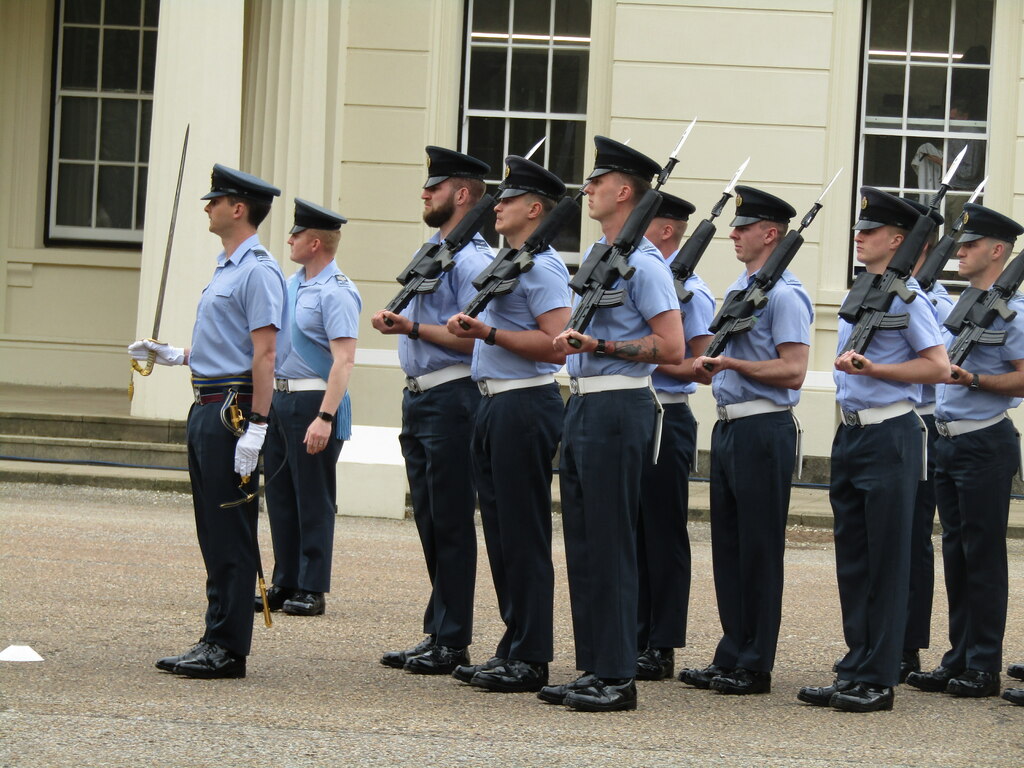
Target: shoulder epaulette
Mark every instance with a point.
(262, 255)
(342, 280)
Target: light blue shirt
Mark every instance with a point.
(956, 402)
(940, 299)
(647, 294)
(245, 294)
(785, 319)
(544, 288)
(855, 393)
(698, 313)
(419, 356)
(327, 307)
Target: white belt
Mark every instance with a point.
(589, 385)
(749, 408)
(673, 398)
(925, 410)
(869, 416)
(299, 385)
(963, 426)
(436, 378)
(492, 387)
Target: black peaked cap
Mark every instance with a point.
(444, 163)
(984, 222)
(878, 209)
(611, 155)
(673, 207)
(522, 176)
(228, 181)
(754, 205)
(312, 216)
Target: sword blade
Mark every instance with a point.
(170, 240)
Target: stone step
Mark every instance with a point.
(119, 428)
(76, 450)
(169, 480)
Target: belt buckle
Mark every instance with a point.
(280, 385)
(722, 412)
(851, 419)
(942, 428)
(574, 386)
(197, 393)
(484, 389)
(412, 385)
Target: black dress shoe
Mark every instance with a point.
(863, 697)
(1014, 696)
(655, 664)
(275, 598)
(934, 681)
(514, 676)
(910, 662)
(701, 678)
(1016, 671)
(741, 682)
(974, 684)
(397, 659)
(305, 604)
(555, 694)
(212, 662)
(168, 663)
(603, 696)
(821, 695)
(439, 660)
(464, 673)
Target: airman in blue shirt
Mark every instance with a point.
(232, 360)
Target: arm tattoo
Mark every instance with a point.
(642, 350)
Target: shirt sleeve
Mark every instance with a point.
(340, 306)
(264, 296)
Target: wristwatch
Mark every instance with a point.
(490, 336)
(975, 384)
(257, 418)
(415, 332)
(328, 417)
(600, 351)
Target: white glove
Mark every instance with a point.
(247, 449)
(165, 353)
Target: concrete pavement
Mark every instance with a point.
(102, 582)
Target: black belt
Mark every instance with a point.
(205, 398)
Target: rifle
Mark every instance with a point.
(685, 262)
(737, 312)
(423, 275)
(607, 263)
(976, 310)
(943, 250)
(868, 302)
(502, 275)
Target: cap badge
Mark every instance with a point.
(863, 203)
(966, 217)
(739, 200)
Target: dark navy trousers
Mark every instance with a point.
(875, 474)
(973, 473)
(301, 494)
(922, 554)
(437, 427)
(604, 441)
(752, 462)
(227, 537)
(663, 546)
(514, 443)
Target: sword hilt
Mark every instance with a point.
(266, 604)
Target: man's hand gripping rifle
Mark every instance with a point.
(868, 302)
(737, 312)
(606, 263)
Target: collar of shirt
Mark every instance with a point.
(247, 245)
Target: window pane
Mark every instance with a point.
(529, 88)
(572, 18)
(882, 161)
(147, 119)
(152, 13)
(116, 192)
(487, 78)
(973, 34)
(490, 16)
(148, 61)
(884, 95)
(971, 170)
(74, 195)
(969, 94)
(80, 59)
(889, 25)
(931, 30)
(532, 17)
(140, 198)
(926, 107)
(81, 11)
(523, 134)
(127, 13)
(568, 238)
(565, 148)
(120, 60)
(117, 129)
(486, 141)
(569, 81)
(926, 164)
(77, 129)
